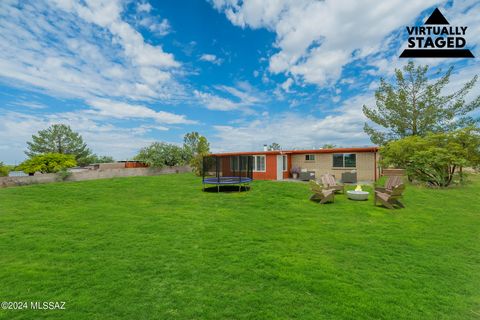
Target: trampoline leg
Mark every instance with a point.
(239, 188)
(218, 188)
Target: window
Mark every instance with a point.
(338, 160)
(344, 160)
(350, 160)
(236, 161)
(259, 163)
(285, 164)
(309, 157)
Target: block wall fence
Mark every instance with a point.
(91, 175)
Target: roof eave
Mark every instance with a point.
(310, 151)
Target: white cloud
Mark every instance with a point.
(161, 28)
(82, 50)
(343, 126)
(214, 102)
(211, 58)
(242, 97)
(247, 95)
(347, 81)
(29, 104)
(287, 84)
(104, 139)
(122, 110)
(85, 50)
(107, 14)
(315, 39)
(144, 7)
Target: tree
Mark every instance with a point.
(190, 143)
(48, 163)
(196, 162)
(415, 106)
(59, 138)
(100, 159)
(435, 158)
(329, 146)
(160, 154)
(4, 170)
(274, 146)
(196, 146)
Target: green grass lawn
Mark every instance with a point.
(160, 248)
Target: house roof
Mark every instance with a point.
(310, 151)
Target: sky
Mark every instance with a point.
(242, 73)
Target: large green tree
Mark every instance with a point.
(59, 138)
(190, 143)
(415, 106)
(196, 147)
(160, 154)
(100, 159)
(436, 158)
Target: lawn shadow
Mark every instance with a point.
(229, 188)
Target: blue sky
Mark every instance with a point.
(242, 73)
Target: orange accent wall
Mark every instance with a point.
(286, 174)
(225, 165)
(270, 169)
(135, 164)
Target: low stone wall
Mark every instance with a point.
(91, 175)
(112, 165)
(23, 181)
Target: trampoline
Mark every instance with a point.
(227, 171)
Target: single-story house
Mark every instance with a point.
(276, 165)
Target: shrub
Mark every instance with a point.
(436, 158)
(48, 163)
(3, 170)
(63, 174)
(160, 154)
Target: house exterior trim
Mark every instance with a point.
(366, 162)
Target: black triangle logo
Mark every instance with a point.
(436, 18)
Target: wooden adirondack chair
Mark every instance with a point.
(320, 194)
(329, 182)
(390, 200)
(391, 182)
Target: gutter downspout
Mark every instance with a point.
(375, 164)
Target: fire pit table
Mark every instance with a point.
(357, 195)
